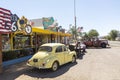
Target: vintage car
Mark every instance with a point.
(73, 46)
(52, 55)
(79, 47)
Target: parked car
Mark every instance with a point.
(79, 47)
(52, 55)
(73, 46)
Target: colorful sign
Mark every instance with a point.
(21, 26)
(49, 23)
(5, 20)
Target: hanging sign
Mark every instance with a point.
(22, 26)
(14, 19)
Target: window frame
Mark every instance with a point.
(59, 49)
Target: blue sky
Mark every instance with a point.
(102, 15)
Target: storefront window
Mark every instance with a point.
(21, 41)
(5, 42)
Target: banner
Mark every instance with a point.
(5, 20)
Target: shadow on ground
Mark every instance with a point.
(81, 55)
(14, 72)
(48, 73)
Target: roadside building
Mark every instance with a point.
(52, 32)
(20, 37)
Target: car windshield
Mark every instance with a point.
(45, 48)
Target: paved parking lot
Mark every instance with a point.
(96, 64)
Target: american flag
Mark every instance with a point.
(79, 29)
(5, 20)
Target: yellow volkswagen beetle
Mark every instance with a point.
(52, 55)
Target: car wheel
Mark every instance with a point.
(73, 59)
(103, 45)
(55, 66)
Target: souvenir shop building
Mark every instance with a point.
(20, 37)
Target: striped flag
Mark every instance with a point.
(79, 29)
(5, 20)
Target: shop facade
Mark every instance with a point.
(19, 44)
(20, 38)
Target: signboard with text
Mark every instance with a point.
(21, 26)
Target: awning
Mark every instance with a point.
(42, 31)
(63, 34)
(39, 30)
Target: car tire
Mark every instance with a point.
(55, 66)
(73, 59)
(103, 45)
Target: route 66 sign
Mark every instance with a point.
(14, 27)
(21, 25)
(14, 19)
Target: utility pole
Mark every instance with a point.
(75, 18)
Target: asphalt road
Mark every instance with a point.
(96, 64)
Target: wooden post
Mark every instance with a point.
(0, 53)
(36, 44)
(11, 41)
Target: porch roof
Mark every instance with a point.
(39, 30)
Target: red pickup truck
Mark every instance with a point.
(96, 43)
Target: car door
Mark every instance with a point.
(60, 54)
(67, 55)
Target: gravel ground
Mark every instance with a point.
(96, 64)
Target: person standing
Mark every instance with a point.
(78, 49)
